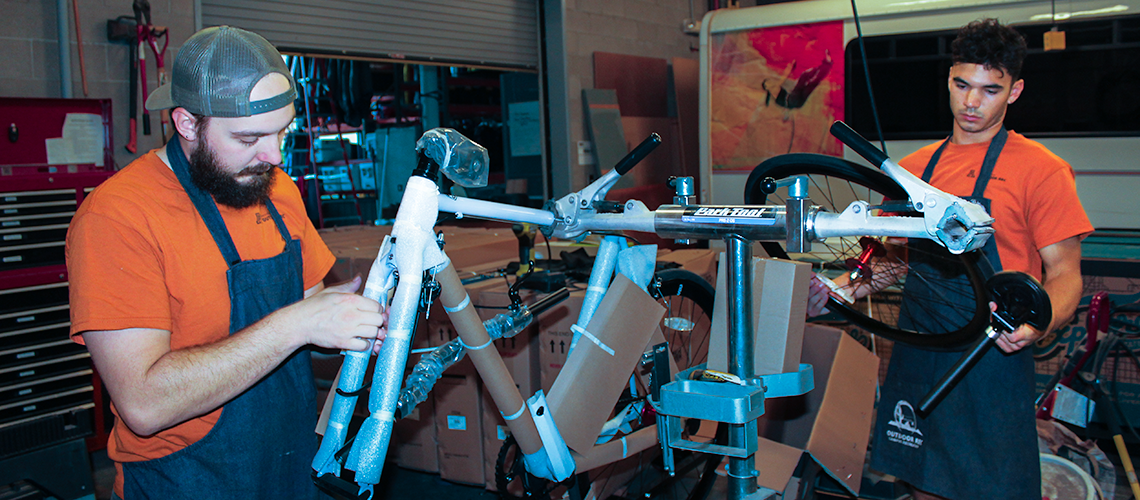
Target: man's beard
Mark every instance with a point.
(206, 172)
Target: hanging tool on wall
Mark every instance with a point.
(153, 34)
(79, 44)
(125, 29)
(142, 23)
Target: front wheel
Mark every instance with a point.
(955, 307)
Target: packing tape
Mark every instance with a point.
(516, 415)
(582, 331)
(462, 305)
(598, 289)
(469, 348)
(385, 416)
(404, 334)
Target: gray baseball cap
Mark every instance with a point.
(216, 69)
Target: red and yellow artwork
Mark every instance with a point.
(774, 91)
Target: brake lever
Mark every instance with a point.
(958, 224)
(569, 207)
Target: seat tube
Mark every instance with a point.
(741, 471)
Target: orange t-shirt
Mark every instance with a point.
(140, 256)
(1032, 193)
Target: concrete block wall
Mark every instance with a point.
(29, 39)
(28, 36)
(632, 27)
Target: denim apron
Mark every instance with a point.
(263, 441)
(981, 441)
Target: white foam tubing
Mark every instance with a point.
(414, 246)
(497, 211)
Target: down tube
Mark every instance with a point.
(487, 360)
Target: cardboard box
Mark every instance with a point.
(779, 303)
(414, 444)
(623, 323)
(355, 247)
(554, 337)
(832, 423)
(459, 428)
(701, 261)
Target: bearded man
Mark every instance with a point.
(196, 284)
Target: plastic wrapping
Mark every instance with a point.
(461, 159)
(428, 370)
(414, 251)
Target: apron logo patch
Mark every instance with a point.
(907, 424)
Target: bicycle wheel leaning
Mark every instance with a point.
(688, 300)
(954, 320)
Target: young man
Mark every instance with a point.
(196, 285)
(981, 440)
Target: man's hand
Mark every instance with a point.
(1022, 337)
(338, 318)
(818, 293)
(1062, 273)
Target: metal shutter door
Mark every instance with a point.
(494, 33)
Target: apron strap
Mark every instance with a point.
(988, 163)
(208, 210)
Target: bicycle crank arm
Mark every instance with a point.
(1021, 300)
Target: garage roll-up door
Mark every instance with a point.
(496, 33)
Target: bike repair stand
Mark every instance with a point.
(737, 405)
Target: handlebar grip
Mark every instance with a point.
(955, 375)
(639, 153)
(857, 143)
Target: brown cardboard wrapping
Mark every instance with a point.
(779, 303)
(520, 355)
(459, 428)
(624, 322)
(832, 423)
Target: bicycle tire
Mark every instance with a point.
(682, 293)
(834, 182)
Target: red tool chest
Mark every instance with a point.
(48, 390)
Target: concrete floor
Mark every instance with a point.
(396, 483)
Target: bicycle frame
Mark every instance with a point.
(412, 251)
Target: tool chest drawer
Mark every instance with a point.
(12, 411)
(32, 307)
(32, 389)
(42, 369)
(39, 351)
(33, 227)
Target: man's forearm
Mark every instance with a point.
(194, 381)
(1064, 296)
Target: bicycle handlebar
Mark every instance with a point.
(857, 143)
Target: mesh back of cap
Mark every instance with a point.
(218, 67)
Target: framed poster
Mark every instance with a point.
(773, 91)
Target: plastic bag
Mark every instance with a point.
(462, 160)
